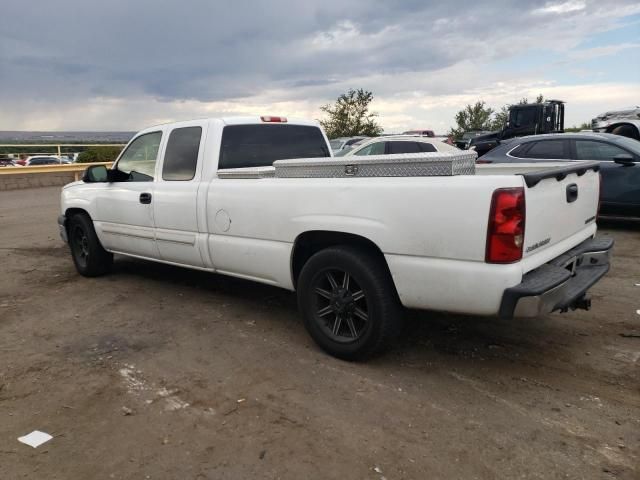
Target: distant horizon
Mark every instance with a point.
(65, 136)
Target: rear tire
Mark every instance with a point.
(349, 303)
(627, 131)
(89, 257)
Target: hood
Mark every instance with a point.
(631, 112)
(484, 138)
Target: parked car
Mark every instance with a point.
(7, 162)
(625, 122)
(338, 144)
(214, 195)
(398, 144)
(619, 159)
(44, 160)
(421, 132)
(464, 141)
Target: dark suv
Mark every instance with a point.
(619, 159)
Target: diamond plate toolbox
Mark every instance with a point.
(399, 165)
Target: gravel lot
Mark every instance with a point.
(163, 373)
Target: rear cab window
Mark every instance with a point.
(259, 145)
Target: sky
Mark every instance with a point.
(127, 64)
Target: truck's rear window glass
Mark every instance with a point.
(181, 156)
(261, 145)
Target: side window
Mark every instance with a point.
(404, 147)
(138, 161)
(427, 147)
(520, 150)
(376, 148)
(590, 150)
(547, 149)
(181, 155)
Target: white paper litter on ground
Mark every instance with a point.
(35, 438)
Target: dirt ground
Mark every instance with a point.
(162, 373)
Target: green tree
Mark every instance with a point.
(350, 116)
(99, 154)
(472, 117)
(500, 118)
(525, 100)
(583, 126)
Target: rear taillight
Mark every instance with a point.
(505, 233)
(269, 119)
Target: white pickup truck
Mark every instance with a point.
(510, 240)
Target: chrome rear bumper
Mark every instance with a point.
(560, 284)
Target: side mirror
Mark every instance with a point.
(95, 174)
(624, 159)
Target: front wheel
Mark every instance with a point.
(349, 303)
(89, 257)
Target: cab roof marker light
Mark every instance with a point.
(270, 119)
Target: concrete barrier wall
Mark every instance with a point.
(15, 178)
(32, 180)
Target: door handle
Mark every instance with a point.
(572, 193)
(145, 198)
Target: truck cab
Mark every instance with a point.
(523, 120)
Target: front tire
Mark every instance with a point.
(89, 257)
(349, 302)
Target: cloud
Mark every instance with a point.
(604, 51)
(561, 7)
(122, 64)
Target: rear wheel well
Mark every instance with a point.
(625, 129)
(70, 212)
(309, 243)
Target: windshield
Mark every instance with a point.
(336, 144)
(350, 146)
(342, 152)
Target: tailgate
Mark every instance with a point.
(561, 204)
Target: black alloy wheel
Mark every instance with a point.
(340, 305)
(349, 302)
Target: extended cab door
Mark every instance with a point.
(175, 200)
(124, 214)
